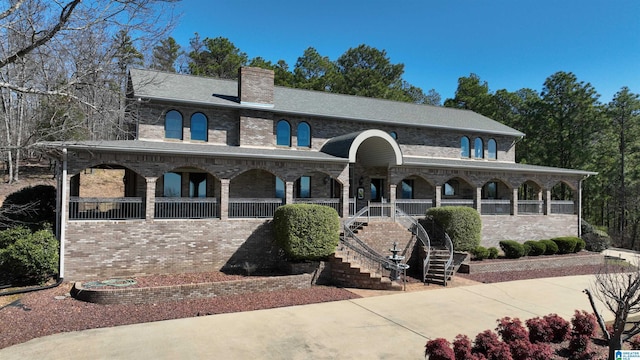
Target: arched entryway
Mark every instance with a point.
(371, 153)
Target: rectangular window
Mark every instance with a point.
(279, 188)
(172, 185)
(407, 189)
(304, 187)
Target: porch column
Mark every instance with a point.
(514, 202)
(392, 193)
(541, 208)
(224, 199)
(438, 196)
(547, 202)
(150, 205)
(288, 192)
(478, 199)
(345, 200)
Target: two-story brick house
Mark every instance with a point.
(212, 160)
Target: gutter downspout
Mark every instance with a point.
(63, 213)
(580, 206)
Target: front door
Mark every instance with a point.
(377, 190)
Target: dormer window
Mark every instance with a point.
(173, 125)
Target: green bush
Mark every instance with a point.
(462, 223)
(306, 232)
(537, 248)
(597, 240)
(26, 257)
(527, 249)
(32, 206)
(566, 244)
(480, 253)
(552, 247)
(493, 252)
(512, 249)
(580, 245)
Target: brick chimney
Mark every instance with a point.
(255, 86)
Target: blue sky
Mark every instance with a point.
(511, 44)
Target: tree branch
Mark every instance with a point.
(12, 9)
(25, 90)
(601, 322)
(45, 36)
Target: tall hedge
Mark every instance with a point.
(306, 232)
(463, 224)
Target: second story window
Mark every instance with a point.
(492, 149)
(478, 148)
(304, 135)
(173, 125)
(199, 127)
(283, 133)
(464, 147)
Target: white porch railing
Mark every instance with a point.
(330, 202)
(530, 207)
(186, 208)
(253, 208)
(414, 207)
(562, 207)
(457, 202)
(106, 208)
(495, 207)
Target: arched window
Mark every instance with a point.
(464, 147)
(199, 127)
(304, 135)
(283, 133)
(492, 149)
(172, 184)
(173, 125)
(478, 148)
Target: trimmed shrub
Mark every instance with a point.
(539, 331)
(28, 258)
(584, 323)
(462, 347)
(488, 344)
(597, 240)
(559, 328)
(480, 253)
(551, 247)
(537, 248)
(463, 224)
(512, 249)
(527, 249)
(580, 245)
(523, 349)
(439, 349)
(566, 244)
(306, 232)
(32, 206)
(493, 252)
(512, 330)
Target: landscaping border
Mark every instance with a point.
(532, 263)
(151, 295)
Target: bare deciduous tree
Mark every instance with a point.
(65, 49)
(619, 290)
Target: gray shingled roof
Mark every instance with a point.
(154, 85)
(180, 148)
(490, 166)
